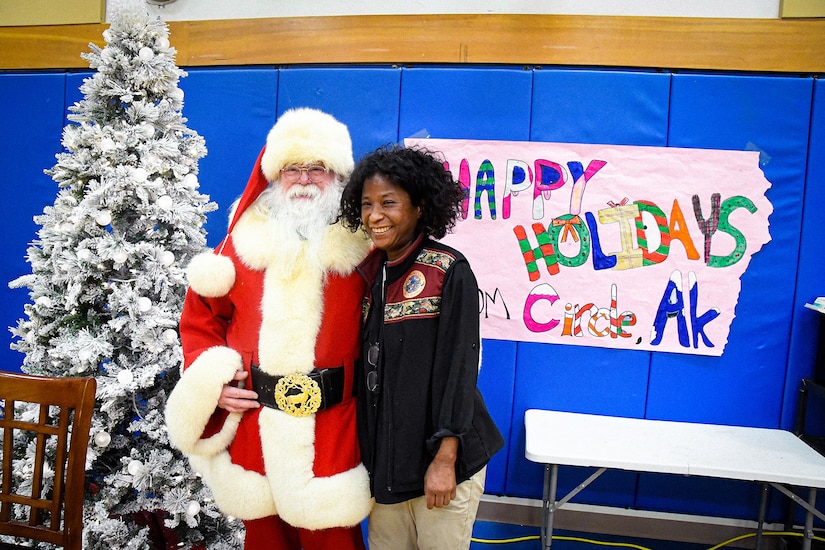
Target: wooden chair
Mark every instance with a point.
(54, 507)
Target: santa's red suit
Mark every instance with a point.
(287, 306)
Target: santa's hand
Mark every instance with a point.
(236, 398)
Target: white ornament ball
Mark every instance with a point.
(165, 202)
(190, 181)
(170, 336)
(140, 175)
(193, 508)
(144, 304)
(134, 467)
(104, 218)
(167, 258)
(146, 53)
(125, 377)
(163, 42)
(84, 354)
(102, 439)
(107, 144)
(120, 257)
(84, 254)
(147, 129)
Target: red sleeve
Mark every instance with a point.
(203, 324)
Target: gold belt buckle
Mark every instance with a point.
(298, 395)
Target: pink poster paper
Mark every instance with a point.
(611, 246)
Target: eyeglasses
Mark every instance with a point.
(316, 173)
(372, 375)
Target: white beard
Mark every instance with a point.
(307, 218)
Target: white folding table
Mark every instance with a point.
(773, 457)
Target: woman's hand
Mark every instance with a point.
(236, 398)
(439, 480)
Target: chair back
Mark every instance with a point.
(51, 495)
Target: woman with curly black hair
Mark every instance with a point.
(424, 430)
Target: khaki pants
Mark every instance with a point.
(411, 526)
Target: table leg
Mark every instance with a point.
(762, 508)
(551, 478)
(809, 521)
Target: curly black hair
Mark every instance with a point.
(416, 171)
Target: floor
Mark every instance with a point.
(489, 535)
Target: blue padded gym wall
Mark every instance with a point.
(808, 325)
(745, 386)
(34, 108)
(232, 109)
(586, 106)
(475, 103)
(365, 99)
(773, 337)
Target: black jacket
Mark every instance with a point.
(427, 365)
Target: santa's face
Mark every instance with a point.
(299, 182)
(307, 203)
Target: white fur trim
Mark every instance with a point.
(295, 270)
(292, 306)
(303, 136)
(344, 249)
(260, 241)
(211, 276)
(237, 491)
(194, 399)
(340, 500)
(263, 243)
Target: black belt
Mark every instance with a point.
(299, 394)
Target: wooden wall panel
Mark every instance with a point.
(761, 45)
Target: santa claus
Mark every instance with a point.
(264, 408)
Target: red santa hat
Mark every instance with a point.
(300, 136)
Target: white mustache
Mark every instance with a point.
(303, 191)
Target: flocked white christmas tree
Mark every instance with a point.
(107, 287)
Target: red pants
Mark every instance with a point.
(272, 533)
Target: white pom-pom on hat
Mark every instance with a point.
(210, 275)
(304, 136)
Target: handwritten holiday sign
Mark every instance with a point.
(611, 246)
